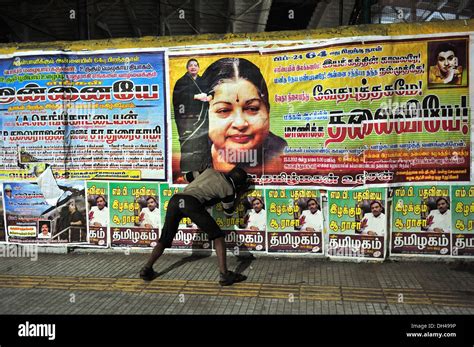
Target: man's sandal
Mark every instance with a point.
(148, 274)
(230, 278)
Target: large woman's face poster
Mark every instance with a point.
(221, 115)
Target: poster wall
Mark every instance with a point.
(134, 214)
(295, 221)
(421, 220)
(354, 118)
(335, 115)
(89, 116)
(357, 223)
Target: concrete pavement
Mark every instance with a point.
(85, 282)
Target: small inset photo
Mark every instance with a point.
(255, 218)
(373, 221)
(447, 64)
(310, 216)
(438, 219)
(44, 229)
(148, 212)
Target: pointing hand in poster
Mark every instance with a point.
(202, 97)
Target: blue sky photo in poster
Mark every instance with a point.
(26, 209)
(27, 200)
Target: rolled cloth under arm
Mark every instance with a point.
(191, 175)
(228, 205)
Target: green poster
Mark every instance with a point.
(421, 220)
(357, 223)
(463, 220)
(295, 221)
(188, 236)
(98, 212)
(134, 214)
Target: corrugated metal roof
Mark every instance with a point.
(212, 16)
(326, 14)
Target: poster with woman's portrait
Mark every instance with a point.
(221, 115)
(448, 63)
(321, 115)
(31, 219)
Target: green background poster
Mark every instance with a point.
(463, 220)
(414, 218)
(292, 227)
(350, 214)
(97, 234)
(128, 203)
(239, 234)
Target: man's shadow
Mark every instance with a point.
(244, 259)
(462, 265)
(196, 254)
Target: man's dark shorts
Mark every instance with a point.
(182, 205)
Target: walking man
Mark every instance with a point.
(204, 189)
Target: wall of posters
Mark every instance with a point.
(352, 118)
(295, 221)
(421, 220)
(357, 223)
(134, 214)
